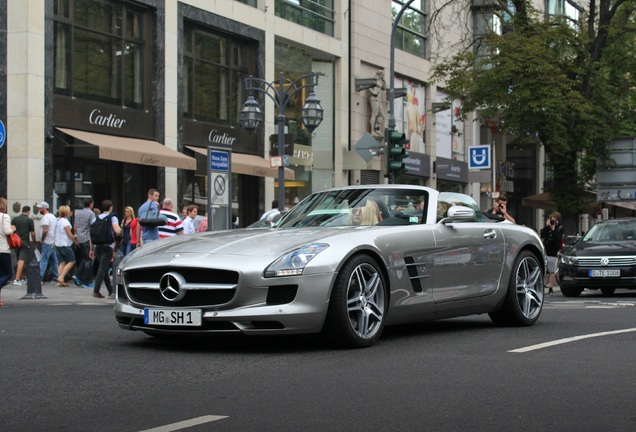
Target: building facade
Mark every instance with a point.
(107, 98)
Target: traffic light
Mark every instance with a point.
(396, 152)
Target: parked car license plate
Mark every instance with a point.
(604, 273)
(173, 317)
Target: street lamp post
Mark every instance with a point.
(392, 63)
(281, 92)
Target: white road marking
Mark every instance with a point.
(185, 424)
(568, 340)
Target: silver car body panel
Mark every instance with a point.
(433, 270)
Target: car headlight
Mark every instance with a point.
(569, 260)
(293, 263)
(118, 272)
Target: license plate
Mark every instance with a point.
(173, 317)
(604, 273)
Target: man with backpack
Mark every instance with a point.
(103, 232)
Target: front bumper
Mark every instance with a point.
(290, 305)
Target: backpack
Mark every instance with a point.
(152, 218)
(102, 231)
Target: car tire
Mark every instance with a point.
(358, 304)
(570, 291)
(608, 291)
(524, 297)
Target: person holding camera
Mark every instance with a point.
(501, 208)
(552, 236)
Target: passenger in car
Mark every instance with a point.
(367, 214)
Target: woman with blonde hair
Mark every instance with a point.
(368, 214)
(129, 216)
(64, 240)
(6, 268)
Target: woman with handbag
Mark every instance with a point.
(6, 268)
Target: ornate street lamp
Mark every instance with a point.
(251, 116)
(281, 92)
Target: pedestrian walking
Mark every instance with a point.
(26, 230)
(64, 240)
(49, 257)
(174, 226)
(83, 220)
(103, 252)
(129, 216)
(6, 269)
(148, 233)
(188, 222)
(552, 236)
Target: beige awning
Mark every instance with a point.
(249, 164)
(134, 150)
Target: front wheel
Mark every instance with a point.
(357, 307)
(608, 291)
(524, 298)
(570, 291)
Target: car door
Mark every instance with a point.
(468, 260)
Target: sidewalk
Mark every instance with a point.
(12, 295)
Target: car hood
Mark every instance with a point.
(245, 242)
(583, 249)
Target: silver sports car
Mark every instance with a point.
(344, 262)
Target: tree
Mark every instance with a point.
(566, 85)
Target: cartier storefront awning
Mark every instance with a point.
(249, 164)
(133, 150)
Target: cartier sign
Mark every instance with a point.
(203, 134)
(109, 120)
(99, 117)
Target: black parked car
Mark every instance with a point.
(605, 259)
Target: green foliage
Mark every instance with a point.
(570, 90)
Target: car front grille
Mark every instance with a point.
(615, 261)
(143, 286)
(152, 297)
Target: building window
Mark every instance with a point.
(411, 31)
(102, 50)
(249, 2)
(315, 14)
(215, 66)
(566, 9)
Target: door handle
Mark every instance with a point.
(490, 234)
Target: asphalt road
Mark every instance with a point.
(68, 367)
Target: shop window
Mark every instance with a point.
(102, 50)
(411, 32)
(315, 14)
(214, 69)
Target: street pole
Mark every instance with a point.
(251, 116)
(392, 64)
(281, 143)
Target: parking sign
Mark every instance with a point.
(479, 157)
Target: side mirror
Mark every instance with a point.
(272, 218)
(459, 214)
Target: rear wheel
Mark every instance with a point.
(357, 307)
(570, 291)
(608, 291)
(524, 298)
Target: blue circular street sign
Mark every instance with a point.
(3, 134)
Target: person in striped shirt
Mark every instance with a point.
(174, 226)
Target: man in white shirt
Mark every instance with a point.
(188, 223)
(48, 223)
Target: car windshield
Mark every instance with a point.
(364, 207)
(612, 231)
